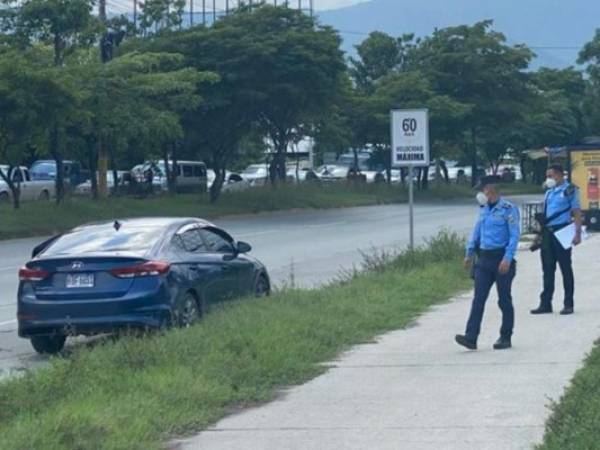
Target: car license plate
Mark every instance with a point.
(80, 280)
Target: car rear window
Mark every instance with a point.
(105, 239)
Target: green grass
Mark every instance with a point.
(38, 219)
(139, 392)
(575, 420)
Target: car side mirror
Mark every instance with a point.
(243, 247)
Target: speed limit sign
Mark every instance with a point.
(410, 138)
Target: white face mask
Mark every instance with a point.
(481, 198)
(550, 183)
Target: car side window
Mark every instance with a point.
(191, 241)
(215, 243)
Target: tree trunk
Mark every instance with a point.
(425, 178)
(523, 172)
(93, 165)
(14, 189)
(215, 189)
(60, 173)
(474, 162)
(175, 171)
(444, 168)
(167, 173)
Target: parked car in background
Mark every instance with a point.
(233, 181)
(44, 170)
(329, 173)
(256, 174)
(191, 175)
(29, 189)
(86, 188)
(301, 175)
(137, 273)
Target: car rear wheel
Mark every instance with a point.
(262, 287)
(4, 198)
(48, 345)
(44, 196)
(187, 311)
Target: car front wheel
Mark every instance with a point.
(48, 345)
(262, 287)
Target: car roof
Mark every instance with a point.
(165, 222)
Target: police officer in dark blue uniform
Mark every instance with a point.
(561, 208)
(495, 240)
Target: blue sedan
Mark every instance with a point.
(138, 273)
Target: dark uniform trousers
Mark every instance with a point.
(486, 274)
(553, 252)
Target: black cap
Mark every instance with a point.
(487, 180)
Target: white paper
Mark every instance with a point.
(566, 235)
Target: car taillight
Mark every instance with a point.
(149, 269)
(27, 274)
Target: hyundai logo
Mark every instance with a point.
(77, 265)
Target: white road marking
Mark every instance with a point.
(9, 322)
(5, 269)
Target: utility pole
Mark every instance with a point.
(135, 13)
(214, 11)
(102, 153)
(203, 12)
(191, 13)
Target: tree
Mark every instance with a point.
(380, 55)
(140, 96)
(474, 66)
(286, 63)
(64, 25)
(161, 14)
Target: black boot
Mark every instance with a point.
(502, 344)
(465, 341)
(567, 311)
(542, 309)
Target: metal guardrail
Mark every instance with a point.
(528, 212)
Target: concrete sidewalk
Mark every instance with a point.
(416, 389)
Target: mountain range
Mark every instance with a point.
(555, 29)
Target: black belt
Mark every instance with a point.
(493, 253)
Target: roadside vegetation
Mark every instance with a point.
(42, 219)
(575, 419)
(139, 392)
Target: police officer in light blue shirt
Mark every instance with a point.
(494, 240)
(561, 208)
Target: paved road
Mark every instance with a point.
(415, 389)
(308, 247)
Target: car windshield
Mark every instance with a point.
(44, 170)
(254, 170)
(105, 239)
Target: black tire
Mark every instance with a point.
(48, 345)
(44, 196)
(262, 287)
(4, 198)
(188, 310)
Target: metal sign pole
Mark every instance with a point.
(411, 203)
(410, 149)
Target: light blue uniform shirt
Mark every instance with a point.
(562, 198)
(497, 227)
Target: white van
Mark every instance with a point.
(191, 175)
